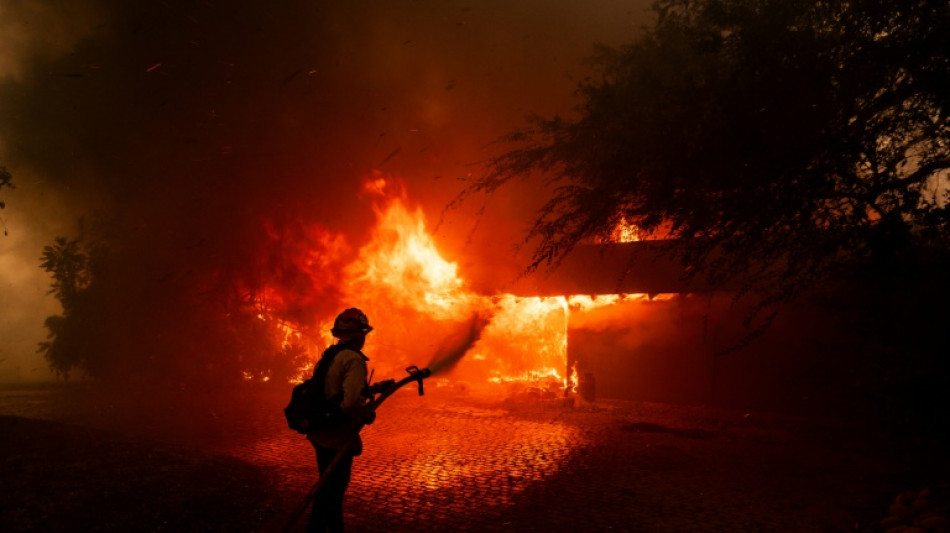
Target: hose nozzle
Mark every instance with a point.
(418, 375)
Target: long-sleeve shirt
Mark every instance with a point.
(347, 373)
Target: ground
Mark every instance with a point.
(74, 459)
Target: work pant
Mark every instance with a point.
(327, 513)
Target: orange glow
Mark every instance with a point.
(443, 467)
(525, 344)
(375, 184)
(582, 302)
(625, 231)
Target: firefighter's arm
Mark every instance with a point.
(355, 405)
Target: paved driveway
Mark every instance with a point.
(451, 462)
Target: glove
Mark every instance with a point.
(372, 418)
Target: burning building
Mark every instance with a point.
(422, 304)
(614, 320)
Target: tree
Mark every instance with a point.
(6, 180)
(773, 141)
(67, 260)
(776, 144)
(69, 264)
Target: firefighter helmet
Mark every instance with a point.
(351, 323)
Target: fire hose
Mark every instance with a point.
(384, 389)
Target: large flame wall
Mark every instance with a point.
(419, 305)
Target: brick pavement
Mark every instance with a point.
(446, 462)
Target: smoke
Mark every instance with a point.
(208, 133)
(41, 30)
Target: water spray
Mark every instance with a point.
(447, 358)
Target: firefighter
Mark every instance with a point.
(346, 379)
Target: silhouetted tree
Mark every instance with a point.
(6, 180)
(773, 141)
(776, 143)
(68, 262)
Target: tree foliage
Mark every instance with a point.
(6, 180)
(68, 262)
(772, 141)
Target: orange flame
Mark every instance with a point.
(624, 231)
(573, 380)
(402, 261)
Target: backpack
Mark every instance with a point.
(309, 408)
